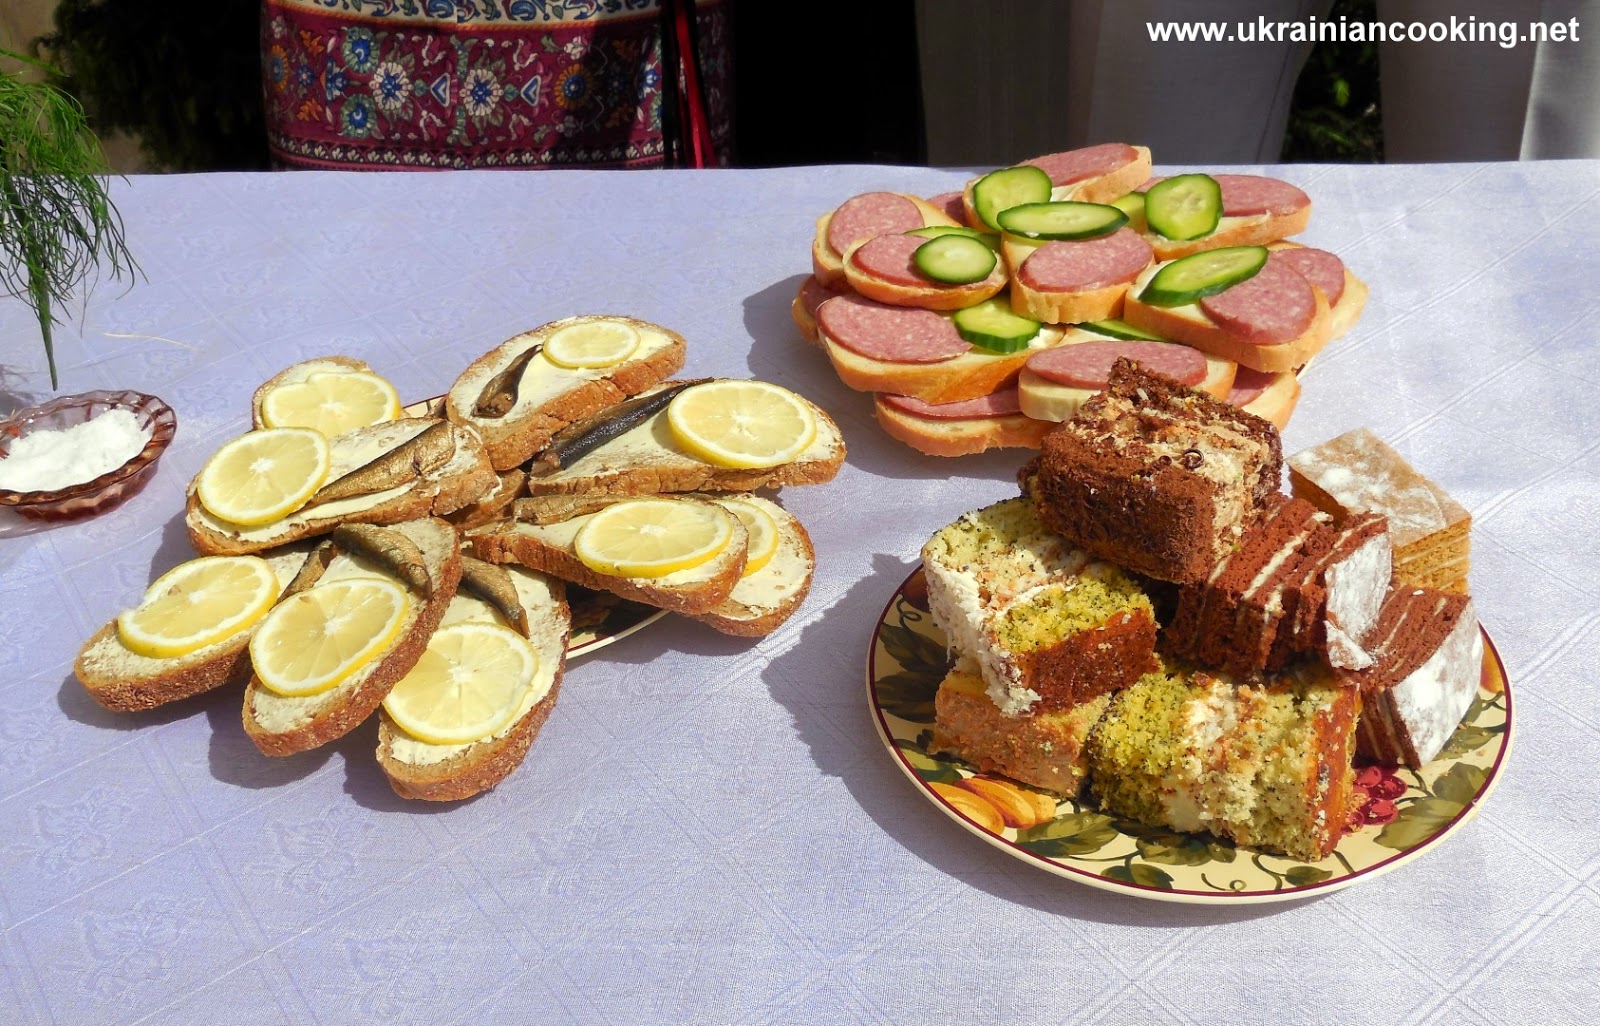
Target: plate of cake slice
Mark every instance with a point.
(1155, 672)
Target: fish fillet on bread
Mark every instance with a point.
(647, 459)
(462, 476)
(451, 772)
(545, 397)
(285, 725)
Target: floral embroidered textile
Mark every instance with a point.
(477, 83)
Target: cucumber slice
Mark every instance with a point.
(1009, 187)
(1062, 220)
(1184, 207)
(1133, 205)
(955, 259)
(991, 325)
(1122, 330)
(933, 231)
(1203, 274)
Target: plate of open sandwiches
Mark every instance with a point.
(1154, 671)
(434, 567)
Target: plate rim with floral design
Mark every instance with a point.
(1435, 802)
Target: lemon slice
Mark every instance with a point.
(652, 537)
(469, 684)
(763, 532)
(264, 475)
(746, 424)
(199, 603)
(315, 640)
(331, 402)
(592, 344)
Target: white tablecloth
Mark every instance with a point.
(709, 830)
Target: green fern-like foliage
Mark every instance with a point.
(57, 224)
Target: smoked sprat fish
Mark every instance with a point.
(494, 585)
(390, 549)
(499, 396)
(578, 440)
(403, 464)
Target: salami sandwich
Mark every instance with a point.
(1248, 210)
(865, 217)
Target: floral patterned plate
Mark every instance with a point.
(1405, 812)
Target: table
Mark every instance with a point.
(708, 830)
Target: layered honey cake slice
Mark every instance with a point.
(1045, 749)
(1427, 662)
(1267, 765)
(1359, 472)
(1046, 628)
(1156, 477)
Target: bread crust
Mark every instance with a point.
(732, 617)
(357, 702)
(437, 494)
(299, 372)
(513, 441)
(1277, 401)
(1190, 324)
(961, 437)
(967, 376)
(207, 670)
(509, 542)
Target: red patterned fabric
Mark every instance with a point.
(480, 83)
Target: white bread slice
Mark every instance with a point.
(549, 548)
(932, 296)
(433, 772)
(300, 372)
(122, 680)
(761, 601)
(1103, 189)
(1191, 325)
(647, 459)
(1277, 401)
(1056, 307)
(1043, 399)
(973, 373)
(1343, 314)
(283, 725)
(1253, 230)
(465, 479)
(827, 263)
(803, 310)
(939, 436)
(550, 397)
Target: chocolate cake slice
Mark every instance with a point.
(1156, 477)
(1343, 578)
(1427, 654)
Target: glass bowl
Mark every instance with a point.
(109, 490)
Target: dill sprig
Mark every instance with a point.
(57, 223)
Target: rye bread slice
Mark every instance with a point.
(760, 602)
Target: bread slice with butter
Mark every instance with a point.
(284, 725)
(462, 480)
(551, 548)
(300, 372)
(762, 600)
(123, 680)
(647, 459)
(549, 397)
(451, 772)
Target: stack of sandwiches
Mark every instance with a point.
(425, 569)
(981, 319)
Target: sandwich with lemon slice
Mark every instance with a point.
(329, 394)
(353, 622)
(278, 485)
(519, 394)
(465, 715)
(723, 435)
(777, 573)
(188, 633)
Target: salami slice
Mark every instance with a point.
(1074, 166)
(1248, 384)
(1321, 268)
(888, 258)
(813, 294)
(950, 204)
(1088, 364)
(1249, 195)
(871, 214)
(894, 334)
(1274, 306)
(1085, 264)
(1004, 403)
